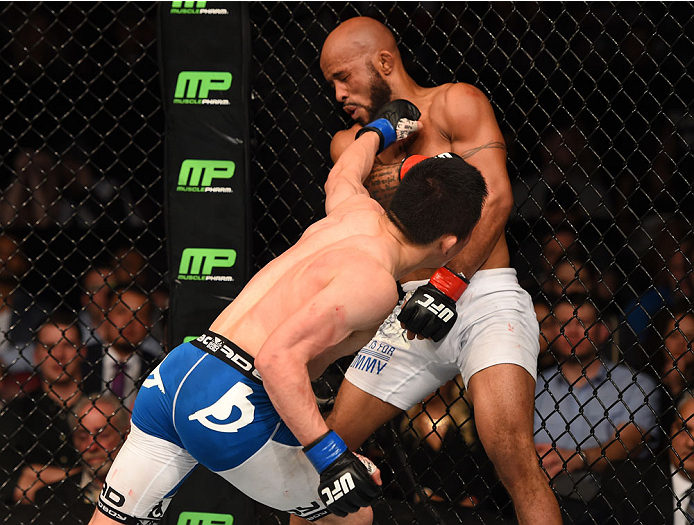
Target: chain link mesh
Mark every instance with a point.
(594, 101)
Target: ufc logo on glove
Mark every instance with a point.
(440, 310)
(342, 486)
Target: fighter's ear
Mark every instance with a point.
(451, 245)
(386, 62)
(448, 243)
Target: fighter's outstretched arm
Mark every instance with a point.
(356, 299)
(395, 121)
(346, 179)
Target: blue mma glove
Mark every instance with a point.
(394, 121)
(345, 483)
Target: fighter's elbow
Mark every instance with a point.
(499, 204)
(265, 364)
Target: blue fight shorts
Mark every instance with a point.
(205, 403)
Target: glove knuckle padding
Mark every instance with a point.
(398, 109)
(346, 485)
(386, 121)
(429, 313)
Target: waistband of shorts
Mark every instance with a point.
(220, 347)
(501, 275)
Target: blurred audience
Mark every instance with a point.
(675, 360)
(100, 426)
(20, 315)
(48, 191)
(570, 187)
(125, 361)
(34, 427)
(672, 280)
(589, 411)
(95, 286)
(657, 491)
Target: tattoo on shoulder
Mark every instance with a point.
(494, 144)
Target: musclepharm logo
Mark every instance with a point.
(193, 87)
(197, 175)
(204, 518)
(342, 486)
(197, 264)
(195, 8)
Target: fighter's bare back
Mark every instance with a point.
(326, 249)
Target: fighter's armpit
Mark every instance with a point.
(493, 144)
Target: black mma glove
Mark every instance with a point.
(430, 312)
(394, 121)
(345, 483)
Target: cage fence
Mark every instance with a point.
(594, 101)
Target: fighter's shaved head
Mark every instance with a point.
(360, 35)
(361, 62)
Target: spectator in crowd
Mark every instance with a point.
(672, 281)
(131, 266)
(100, 426)
(657, 491)
(589, 412)
(20, 315)
(124, 363)
(676, 358)
(95, 285)
(34, 428)
(33, 197)
(538, 256)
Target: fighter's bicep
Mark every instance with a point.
(474, 133)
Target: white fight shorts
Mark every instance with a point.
(496, 325)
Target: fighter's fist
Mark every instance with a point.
(431, 311)
(394, 121)
(345, 483)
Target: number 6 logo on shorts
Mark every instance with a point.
(237, 396)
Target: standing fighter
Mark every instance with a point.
(493, 342)
(239, 398)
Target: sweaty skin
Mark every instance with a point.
(362, 64)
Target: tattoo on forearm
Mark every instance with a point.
(495, 144)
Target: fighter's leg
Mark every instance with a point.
(503, 397)
(142, 480)
(357, 414)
